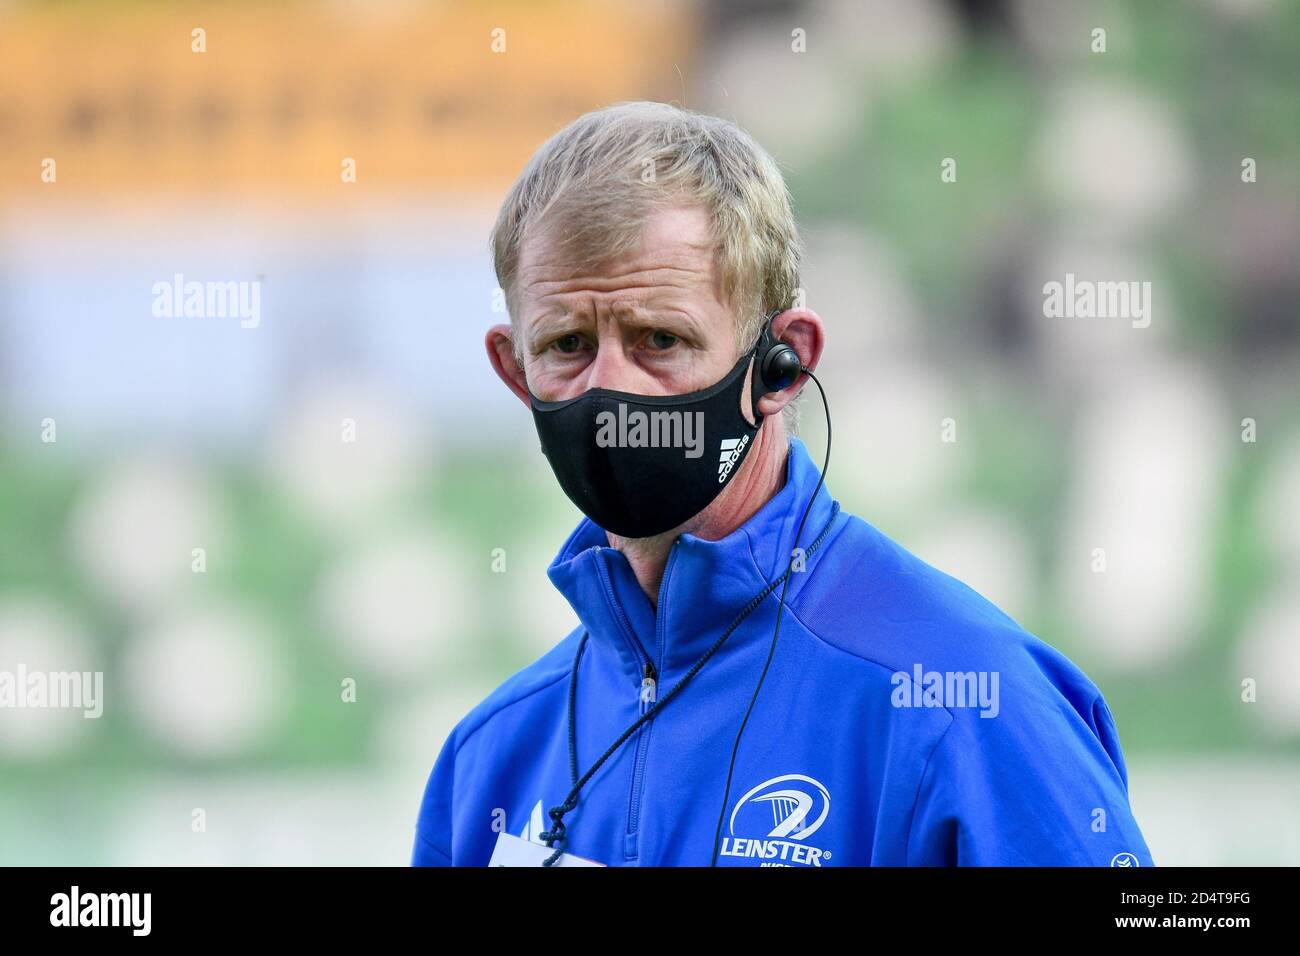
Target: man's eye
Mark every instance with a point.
(662, 341)
(568, 344)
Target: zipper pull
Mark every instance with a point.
(648, 687)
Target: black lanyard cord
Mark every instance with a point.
(556, 835)
(776, 631)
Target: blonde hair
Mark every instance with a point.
(595, 182)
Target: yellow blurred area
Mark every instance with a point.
(419, 97)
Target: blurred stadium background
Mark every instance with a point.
(373, 560)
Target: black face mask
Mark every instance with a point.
(640, 465)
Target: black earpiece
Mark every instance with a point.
(781, 367)
(777, 364)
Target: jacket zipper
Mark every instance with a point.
(648, 689)
(648, 695)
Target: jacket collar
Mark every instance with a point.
(706, 584)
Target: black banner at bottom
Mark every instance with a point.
(306, 905)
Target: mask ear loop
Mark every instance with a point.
(766, 342)
(777, 366)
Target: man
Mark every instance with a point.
(650, 262)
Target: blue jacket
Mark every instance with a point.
(904, 719)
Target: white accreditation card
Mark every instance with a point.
(514, 851)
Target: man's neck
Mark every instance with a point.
(761, 475)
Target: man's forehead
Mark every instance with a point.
(670, 276)
(677, 237)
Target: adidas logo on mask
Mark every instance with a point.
(732, 449)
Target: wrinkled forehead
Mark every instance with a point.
(571, 242)
(668, 260)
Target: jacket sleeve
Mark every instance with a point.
(1040, 786)
(433, 843)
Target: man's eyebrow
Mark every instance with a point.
(636, 316)
(548, 323)
(650, 316)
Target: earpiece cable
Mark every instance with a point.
(776, 632)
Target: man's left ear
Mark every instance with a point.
(803, 331)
